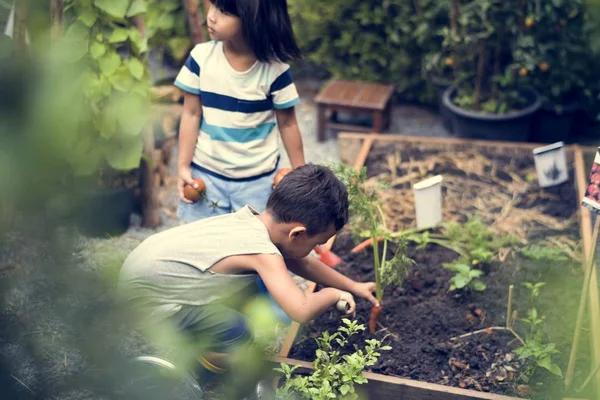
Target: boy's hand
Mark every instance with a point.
(184, 175)
(366, 290)
(348, 298)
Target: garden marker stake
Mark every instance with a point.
(591, 200)
(326, 256)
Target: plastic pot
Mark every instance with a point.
(549, 126)
(514, 126)
(106, 212)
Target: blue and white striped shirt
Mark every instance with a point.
(238, 134)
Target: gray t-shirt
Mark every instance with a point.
(172, 268)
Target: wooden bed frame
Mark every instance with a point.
(354, 150)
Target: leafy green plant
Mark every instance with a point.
(479, 39)
(534, 349)
(465, 277)
(473, 241)
(542, 253)
(335, 375)
(552, 48)
(368, 219)
(393, 36)
(534, 288)
(97, 70)
(166, 26)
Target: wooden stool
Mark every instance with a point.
(354, 97)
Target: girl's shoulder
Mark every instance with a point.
(201, 50)
(277, 68)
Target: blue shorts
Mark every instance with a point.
(225, 196)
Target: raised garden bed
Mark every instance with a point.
(495, 182)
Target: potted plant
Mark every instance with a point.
(553, 49)
(489, 98)
(100, 75)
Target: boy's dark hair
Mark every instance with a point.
(267, 27)
(311, 195)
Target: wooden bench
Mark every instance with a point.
(354, 97)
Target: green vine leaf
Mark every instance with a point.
(131, 114)
(136, 68)
(139, 43)
(125, 155)
(88, 17)
(115, 8)
(109, 63)
(179, 47)
(97, 50)
(119, 35)
(73, 46)
(121, 79)
(137, 7)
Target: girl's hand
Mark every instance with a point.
(349, 299)
(366, 290)
(184, 175)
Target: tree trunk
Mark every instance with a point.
(151, 215)
(193, 17)
(56, 18)
(454, 10)
(418, 9)
(481, 65)
(20, 27)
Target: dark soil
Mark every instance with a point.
(421, 317)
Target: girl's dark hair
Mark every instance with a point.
(267, 27)
(311, 195)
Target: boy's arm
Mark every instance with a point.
(290, 134)
(189, 130)
(315, 270)
(299, 306)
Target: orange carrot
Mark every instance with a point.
(361, 246)
(375, 311)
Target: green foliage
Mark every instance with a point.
(94, 95)
(367, 219)
(377, 41)
(542, 253)
(474, 242)
(553, 49)
(335, 375)
(479, 242)
(534, 288)
(166, 26)
(479, 40)
(538, 353)
(465, 277)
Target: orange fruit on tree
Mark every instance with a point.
(529, 22)
(523, 71)
(449, 61)
(544, 66)
(195, 194)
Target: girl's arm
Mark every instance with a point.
(290, 134)
(189, 130)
